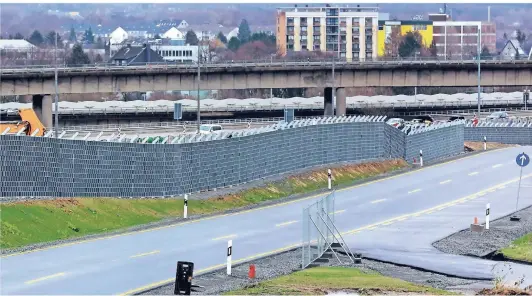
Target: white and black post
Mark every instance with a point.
(329, 179)
(421, 157)
(488, 216)
(485, 144)
(185, 210)
(229, 253)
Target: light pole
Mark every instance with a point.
(199, 79)
(56, 129)
(333, 92)
(478, 61)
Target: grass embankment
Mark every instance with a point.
(519, 249)
(30, 222)
(324, 280)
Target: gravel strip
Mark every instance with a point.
(218, 282)
(501, 233)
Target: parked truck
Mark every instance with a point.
(28, 124)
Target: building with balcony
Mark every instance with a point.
(386, 27)
(350, 32)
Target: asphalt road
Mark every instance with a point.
(125, 263)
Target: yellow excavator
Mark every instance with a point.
(29, 124)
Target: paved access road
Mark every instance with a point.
(123, 263)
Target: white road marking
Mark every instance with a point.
(378, 200)
(497, 165)
(473, 173)
(145, 254)
(337, 212)
(414, 191)
(445, 182)
(286, 223)
(225, 237)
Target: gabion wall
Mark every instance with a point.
(503, 134)
(48, 167)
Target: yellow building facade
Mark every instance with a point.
(424, 28)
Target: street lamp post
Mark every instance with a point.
(199, 79)
(478, 62)
(56, 129)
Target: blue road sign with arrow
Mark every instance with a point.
(522, 160)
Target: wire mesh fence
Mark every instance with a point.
(318, 234)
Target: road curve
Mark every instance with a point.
(126, 263)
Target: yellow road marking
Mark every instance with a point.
(45, 278)
(446, 181)
(286, 223)
(402, 219)
(497, 165)
(181, 223)
(337, 212)
(225, 237)
(430, 212)
(472, 174)
(378, 200)
(414, 191)
(145, 254)
(387, 223)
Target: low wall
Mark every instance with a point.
(521, 135)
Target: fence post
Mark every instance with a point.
(185, 210)
(488, 216)
(229, 255)
(421, 158)
(329, 179)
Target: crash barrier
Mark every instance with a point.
(115, 167)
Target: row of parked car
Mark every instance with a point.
(400, 123)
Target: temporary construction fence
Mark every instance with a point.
(319, 231)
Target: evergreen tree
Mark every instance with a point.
(191, 38)
(78, 57)
(244, 33)
(18, 36)
(50, 39)
(36, 38)
(72, 37)
(409, 46)
(89, 37)
(157, 36)
(485, 53)
(233, 44)
(222, 37)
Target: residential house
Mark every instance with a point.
(180, 24)
(135, 55)
(118, 36)
(512, 50)
(173, 33)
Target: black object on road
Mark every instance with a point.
(183, 278)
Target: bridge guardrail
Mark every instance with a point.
(36, 69)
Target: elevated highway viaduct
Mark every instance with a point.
(39, 81)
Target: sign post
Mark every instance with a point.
(229, 255)
(522, 161)
(487, 216)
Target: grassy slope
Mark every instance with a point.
(30, 222)
(321, 280)
(520, 249)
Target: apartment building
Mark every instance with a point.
(459, 39)
(350, 32)
(178, 53)
(424, 28)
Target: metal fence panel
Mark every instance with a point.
(317, 235)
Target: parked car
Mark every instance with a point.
(210, 128)
(498, 115)
(396, 122)
(456, 117)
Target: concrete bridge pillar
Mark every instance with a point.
(340, 101)
(42, 105)
(328, 102)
